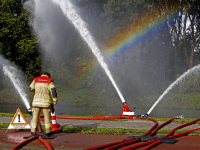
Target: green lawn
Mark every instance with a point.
(90, 130)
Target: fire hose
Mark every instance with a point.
(39, 137)
(151, 134)
(172, 132)
(24, 143)
(92, 118)
(60, 128)
(115, 145)
(138, 140)
(33, 138)
(156, 142)
(151, 143)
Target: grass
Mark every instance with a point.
(185, 120)
(117, 131)
(4, 125)
(12, 115)
(89, 130)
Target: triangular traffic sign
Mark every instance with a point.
(18, 121)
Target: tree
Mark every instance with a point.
(17, 43)
(192, 12)
(184, 30)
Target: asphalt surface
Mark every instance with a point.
(131, 124)
(81, 141)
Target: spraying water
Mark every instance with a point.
(182, 77)
(11, 72)
(69, 11)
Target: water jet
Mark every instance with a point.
(68, 9)
(12, 73)
(195, 69)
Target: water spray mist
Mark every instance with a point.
(11, 72)
(182, 77)
(79, 24)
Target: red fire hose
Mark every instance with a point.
(152, 145)
(152, 128)
(60, 128)
(174, 136)
(127, 142)
(115, 145)
(24, 143)
(153, 133)
(45, 143)
(184, 133)
(42, 140)
(159, 127)
(181, 126)
(124, 143)
(139, 145)
(92, 118)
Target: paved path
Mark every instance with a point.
(80, 141)
(131, 124)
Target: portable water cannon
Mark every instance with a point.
(30, 111)
(145, 115)
(127, 112)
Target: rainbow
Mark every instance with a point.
(135, 32)
(131, 34)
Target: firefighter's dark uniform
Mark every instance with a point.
(45, 91)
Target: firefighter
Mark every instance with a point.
(45, 93)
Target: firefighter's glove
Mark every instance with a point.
(52, 108)
(30, 111)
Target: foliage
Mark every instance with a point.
(7, 114)
(4, 125)
(17, 43)
(142, 72)
(89, 130)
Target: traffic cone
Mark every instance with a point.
(53, 120)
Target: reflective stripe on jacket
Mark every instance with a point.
(44, 90)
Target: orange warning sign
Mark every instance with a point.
(19, 119)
